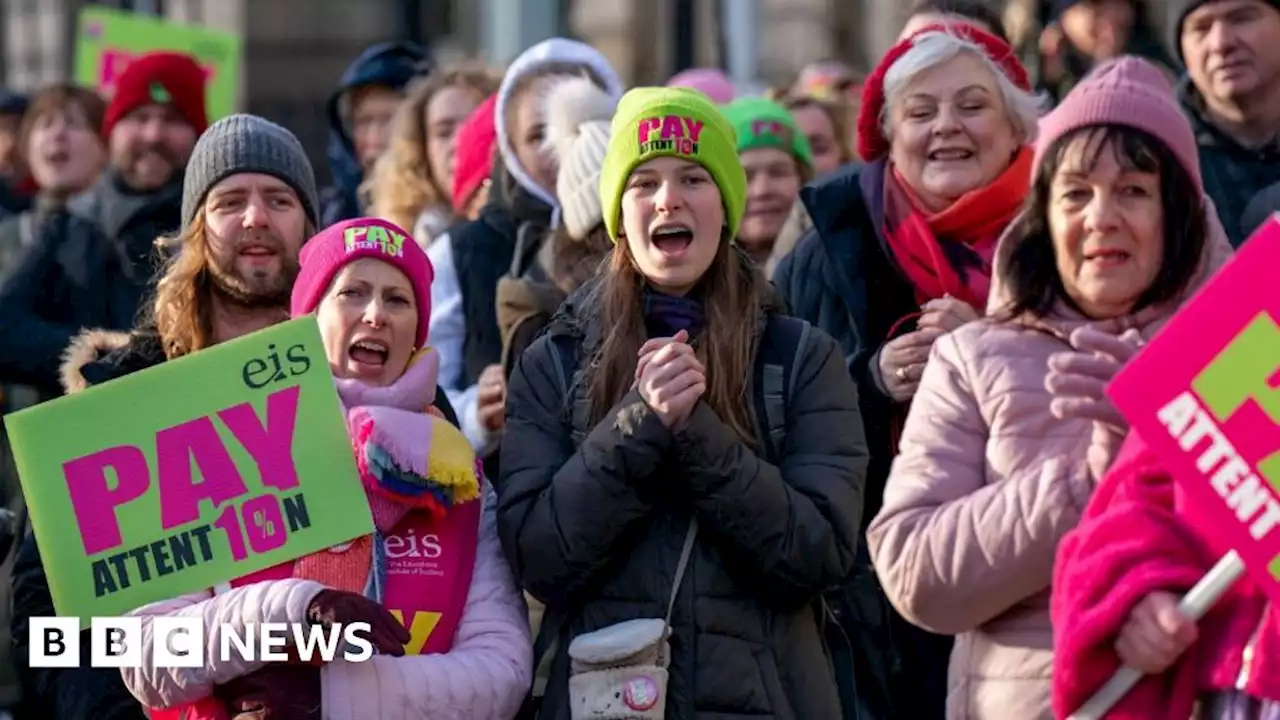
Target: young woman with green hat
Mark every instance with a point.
(681, 475)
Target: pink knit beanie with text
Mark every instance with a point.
(1126, 91)
(339, 245)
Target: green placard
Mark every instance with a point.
(189, 474)
(108, 40)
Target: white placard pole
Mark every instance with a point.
(1194, 605)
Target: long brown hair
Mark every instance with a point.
(732, 292)
(183, 307)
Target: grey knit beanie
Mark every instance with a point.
(247, 144)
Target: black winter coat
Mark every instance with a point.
(91, 267)
(595, 531)
(79, 693)
(841, 278)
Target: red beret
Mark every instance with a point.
(160, 78)
(872, 144)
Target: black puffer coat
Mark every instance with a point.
(595, 531)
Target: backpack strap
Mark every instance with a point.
(783, 345)
(575, 407)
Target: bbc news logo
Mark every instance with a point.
(179, 642)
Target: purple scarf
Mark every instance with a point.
(665, 315)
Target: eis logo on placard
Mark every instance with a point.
(180, 642)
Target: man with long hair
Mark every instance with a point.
(248, 204)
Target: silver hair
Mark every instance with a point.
(935, 48)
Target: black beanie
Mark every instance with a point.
(1178, 12)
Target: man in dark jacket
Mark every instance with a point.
(360, 113)
(61, 150)
(1231, 94)
(248, 187)
(840, 278)
(92, 264)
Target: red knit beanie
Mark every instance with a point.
(872, 144)
(160, 78)
(473, 153)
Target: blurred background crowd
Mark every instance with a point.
(294, 51)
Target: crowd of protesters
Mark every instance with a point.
(786, 406)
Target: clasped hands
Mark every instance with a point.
(670, 378)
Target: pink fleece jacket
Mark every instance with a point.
(1133, 540)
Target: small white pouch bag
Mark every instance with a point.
(619, 672)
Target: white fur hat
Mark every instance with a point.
(578, 115)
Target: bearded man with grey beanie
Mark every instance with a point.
(1231, 95)
(249, 202)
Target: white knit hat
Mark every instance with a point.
(578, 116)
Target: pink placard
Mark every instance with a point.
(115, 60)
(1206, 396)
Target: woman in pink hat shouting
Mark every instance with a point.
(448, 623)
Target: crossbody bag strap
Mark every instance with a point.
(685, 553)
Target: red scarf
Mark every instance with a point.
(950, 253)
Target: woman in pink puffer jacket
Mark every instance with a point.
(1010, 430)
(447, 617)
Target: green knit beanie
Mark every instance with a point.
(763, 123)
(653, 122)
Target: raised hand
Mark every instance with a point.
(491, 398)
(902, 361)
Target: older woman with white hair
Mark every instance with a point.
(901, 254)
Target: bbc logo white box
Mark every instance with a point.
(53, 642)
(115, 642)
(178, 642)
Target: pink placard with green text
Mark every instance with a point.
(1205, 395)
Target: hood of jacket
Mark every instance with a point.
(392, 64)
(97, 356)
(1217, 251)
(547, 52)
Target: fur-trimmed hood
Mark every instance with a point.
(95, 356)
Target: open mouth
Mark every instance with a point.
(1107, 257)
(257, 252)
(672, 240)
(58, 157)
(950, 155)
(370, 353)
